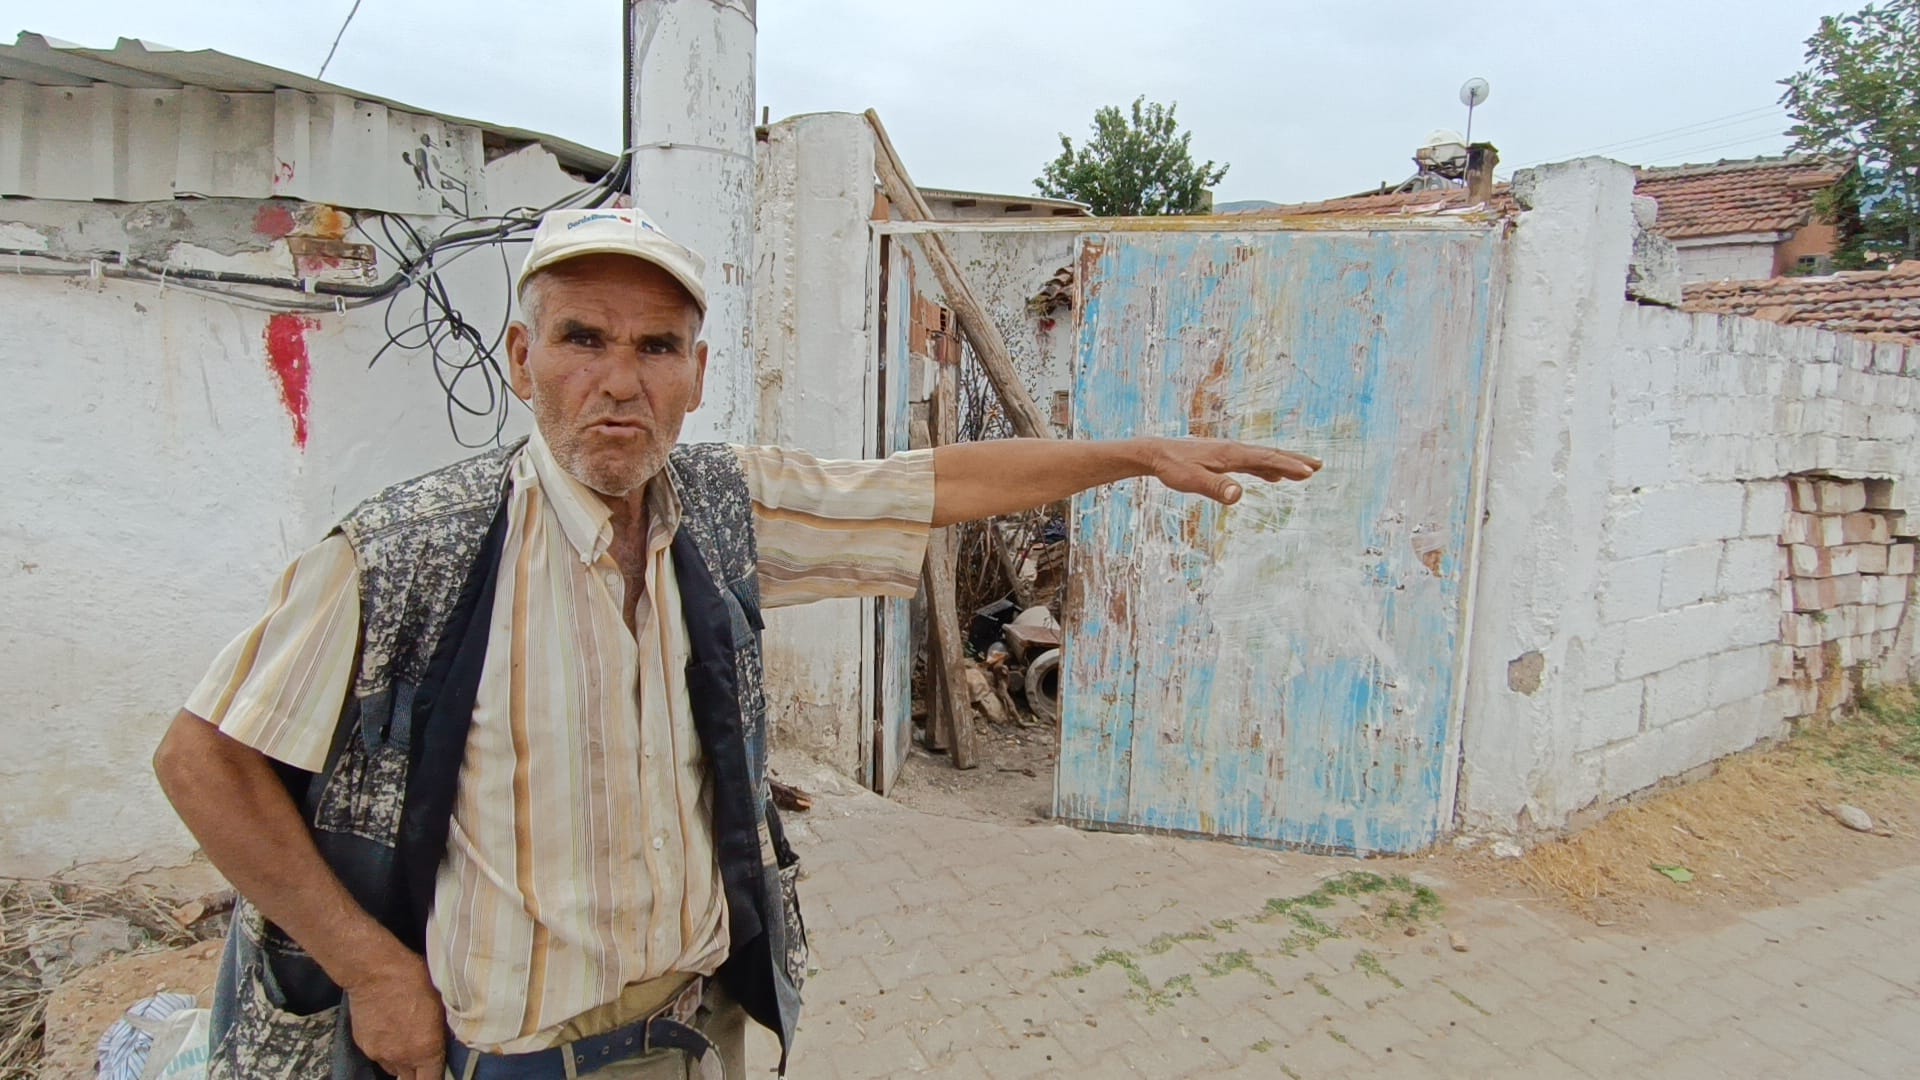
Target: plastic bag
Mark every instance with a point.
(180, 1047)
(124, 1050)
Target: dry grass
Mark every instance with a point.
(1757, 826)
(36, 912)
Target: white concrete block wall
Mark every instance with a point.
(156, 491)
(1672, 640)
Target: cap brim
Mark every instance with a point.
(694, 286)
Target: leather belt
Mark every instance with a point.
(670, 1028)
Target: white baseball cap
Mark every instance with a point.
(569, 234)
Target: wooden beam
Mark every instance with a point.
(1025, 416)
(950, 658)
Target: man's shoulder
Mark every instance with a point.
(474, 483)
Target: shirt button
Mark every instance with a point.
(659, 842)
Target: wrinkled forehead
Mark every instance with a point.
(610, 286)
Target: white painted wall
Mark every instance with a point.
(1635, 513)
(816, 353)
(155, 493)
(1745, 261)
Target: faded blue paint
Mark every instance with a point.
(1281, 671)
(894, 636)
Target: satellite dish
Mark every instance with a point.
(1474, 91)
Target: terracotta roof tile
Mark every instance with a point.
(1729, 198)
(1877, 303)
(1412, 203)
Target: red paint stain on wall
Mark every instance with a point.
(287, 356)
(273, 221)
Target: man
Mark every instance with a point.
(490, 772)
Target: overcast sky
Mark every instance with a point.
(1304, 100)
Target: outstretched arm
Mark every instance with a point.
(1006, 476)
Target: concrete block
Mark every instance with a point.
(1596, 660)
(1787, 700)
(1751, 564)
(1820, 562)
(1781, 662)
(1800, 629)
(1750, 619)
(1806, 494)
(1889, 357)
(1870, 558)
(1766, 509)
(1678, 692)
(1690, 575)
(1900, 559)
(1810, 596)
(1890, 616)
(1840, 496)
(1672, 638)
(1866, 527)
(1642, 455)
(1833, 627)
(1630, 588)
(1610, 714)
(1641, 762)
(1817, 529)
(1674, 517)
(1736, 676)
(1883, 495)
(1830, 373)
(1742, 724)
(1811, 662)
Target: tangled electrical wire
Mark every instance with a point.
(464, 356)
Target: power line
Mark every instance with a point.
(1669, 134)
(351, 12)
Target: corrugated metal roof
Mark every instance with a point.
(43, 61)
(952, 195)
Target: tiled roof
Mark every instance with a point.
(1728, 198)
(1760, 195)
(1880, 303)
(1411, 203)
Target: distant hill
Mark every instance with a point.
(1243, 206)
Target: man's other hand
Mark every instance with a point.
(399, 1020)
(1206, 466)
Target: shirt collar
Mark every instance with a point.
(584, 518)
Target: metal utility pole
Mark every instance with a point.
(692, 124)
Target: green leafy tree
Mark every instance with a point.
(1859, 98)
(1138, 164)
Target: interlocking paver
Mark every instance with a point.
(969, 949)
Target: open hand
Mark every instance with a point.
(1205, 466)
(399, 1020)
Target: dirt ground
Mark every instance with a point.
(1013, 783)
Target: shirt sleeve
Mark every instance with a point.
(838, 528)
(279, 687)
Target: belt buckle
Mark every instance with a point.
(680, 1010)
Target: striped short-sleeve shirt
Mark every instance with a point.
(580, 863)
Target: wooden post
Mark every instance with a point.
(950, 658)
(1025, 416)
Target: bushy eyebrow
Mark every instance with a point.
(567, 327)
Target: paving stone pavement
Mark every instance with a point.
(955, 948)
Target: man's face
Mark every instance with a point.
(610, 366)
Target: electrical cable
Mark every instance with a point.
(351, 12)
(464, 356)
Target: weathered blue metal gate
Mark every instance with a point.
(1287, 670)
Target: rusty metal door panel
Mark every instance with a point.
(1288, 670)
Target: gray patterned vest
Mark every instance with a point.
(427, 552)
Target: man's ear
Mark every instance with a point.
(519, 339)
(699, 376)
